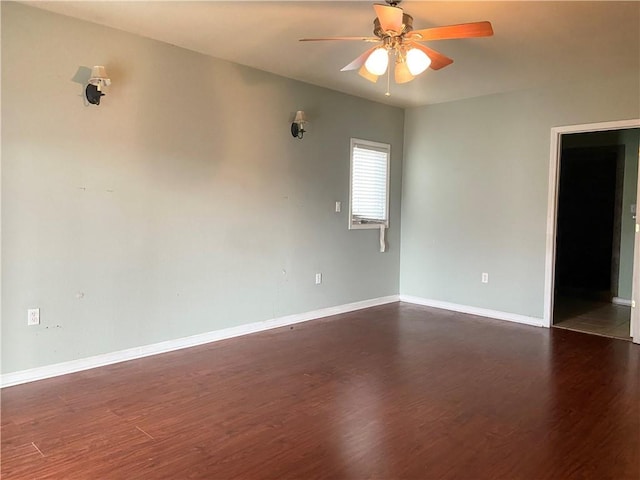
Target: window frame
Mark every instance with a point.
(378, 146)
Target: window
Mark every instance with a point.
(369, 205)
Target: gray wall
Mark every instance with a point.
(630, 140)
(181, 204)
(475, 183)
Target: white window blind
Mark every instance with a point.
(369, 183)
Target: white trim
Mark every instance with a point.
(599, 126)
(482, 312)
(550, 240)
(634, 329)
(621, 301)
(48, 371)
(554, 161)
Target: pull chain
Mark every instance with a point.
(388, 93)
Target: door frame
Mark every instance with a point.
(552, 214)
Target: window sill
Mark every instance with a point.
(368, 226)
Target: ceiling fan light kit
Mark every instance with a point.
(398, 41)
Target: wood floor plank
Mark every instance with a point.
(397, 391)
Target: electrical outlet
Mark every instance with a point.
(33, 316)
(318, 278)
(338, 207)
(485, 277)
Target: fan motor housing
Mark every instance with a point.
(407, 20)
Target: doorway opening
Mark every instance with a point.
(594, 233)
(593, 252)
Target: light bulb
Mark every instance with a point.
(378, 61)
(417, 61)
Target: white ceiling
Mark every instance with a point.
(535, 43)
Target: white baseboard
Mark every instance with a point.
(48, 371)
(482, 312)
(621, 301)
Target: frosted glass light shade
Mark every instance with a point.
(378, 61)
(417, 61)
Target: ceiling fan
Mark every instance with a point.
(394, 33)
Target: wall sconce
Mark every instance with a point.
(97, 82)
(297, 127)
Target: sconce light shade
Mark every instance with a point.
(297, 127)
(98, 73)
(97, 82)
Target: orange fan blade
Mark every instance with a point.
(402, 73)
(362, 39)
(364, 73)
(438, 60)
(464, 30)
(358, 62)
(390, 17)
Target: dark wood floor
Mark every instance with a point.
(396, 391)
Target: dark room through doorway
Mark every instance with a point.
(594, 232)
